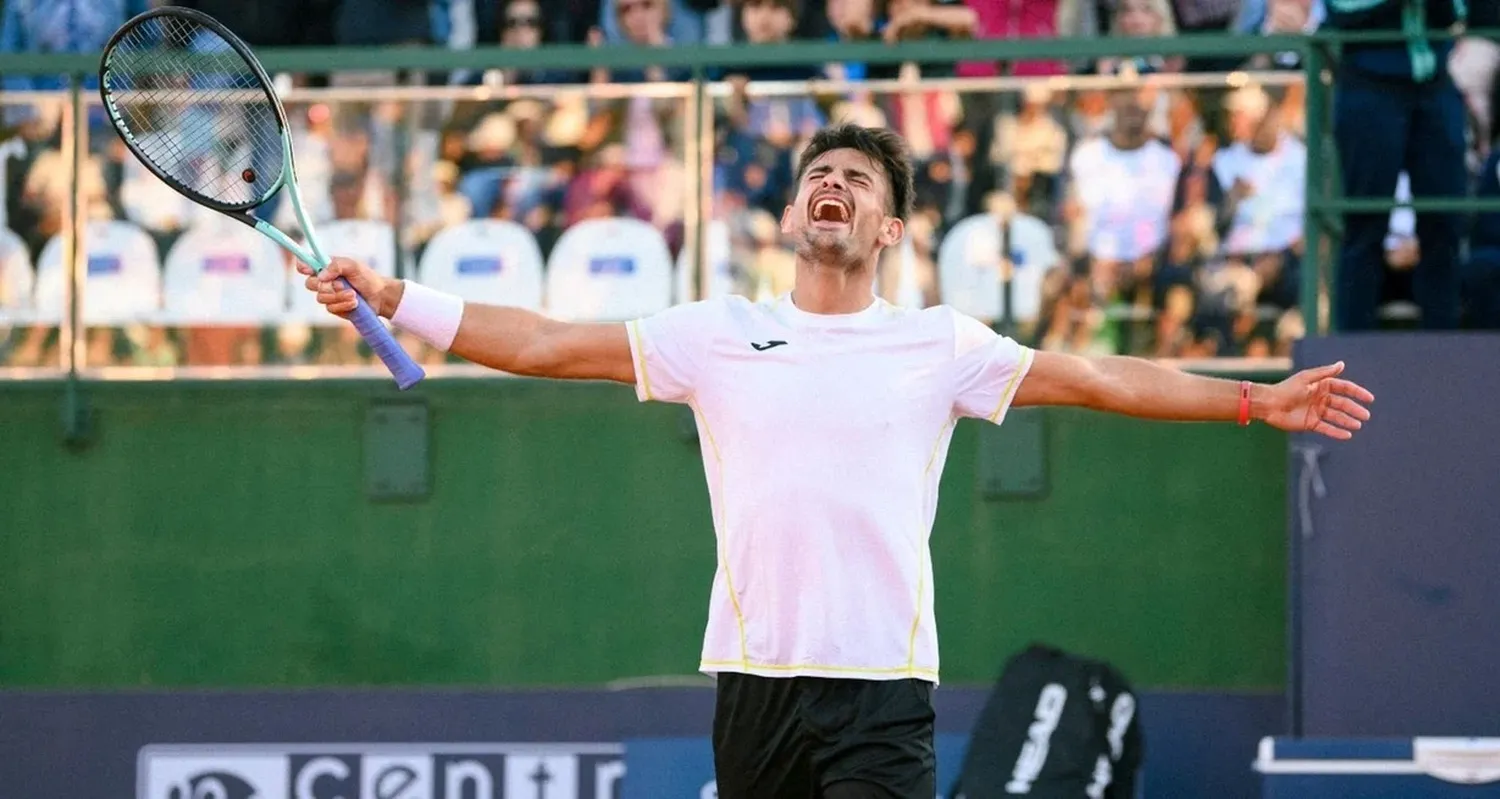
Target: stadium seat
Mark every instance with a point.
(609, 270)
(222, 272)
(15, 279)
(367, 240)
(485, 260)
(122, 280)
(716, 248)
(969, 266)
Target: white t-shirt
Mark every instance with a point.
(1270, 219)
(823, 440)
(1127, 196)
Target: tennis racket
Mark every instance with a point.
(191, 102)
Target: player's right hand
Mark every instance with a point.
(340, 300)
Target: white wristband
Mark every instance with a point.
(430, 315)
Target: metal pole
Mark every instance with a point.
(403, 132)
(71, 335)
(1313, 238)
(698, 207)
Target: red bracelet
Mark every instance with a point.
(1244, 403)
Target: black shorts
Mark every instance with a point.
(797, 737)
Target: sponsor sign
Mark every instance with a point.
(381, 771)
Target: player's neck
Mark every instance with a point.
(830, 290)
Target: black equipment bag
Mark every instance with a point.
(1056, 726)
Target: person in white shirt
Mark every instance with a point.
(1122, 185)
(1262, 178)
(824, 418)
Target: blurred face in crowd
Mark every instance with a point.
(841, 214)
(643, 21)
(852, 17)
(1130, 116)
(521, 25)
(767, 20)
(1137, 18)
(1254, 119)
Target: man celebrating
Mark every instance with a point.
(824, 419)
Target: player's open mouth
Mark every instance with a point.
(831, 210)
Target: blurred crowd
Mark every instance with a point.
(1145, 214)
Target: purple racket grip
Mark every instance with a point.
(403, 368)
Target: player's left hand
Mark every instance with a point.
(1317, 401)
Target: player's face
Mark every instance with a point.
(839, 216)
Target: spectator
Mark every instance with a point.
(1276, 18)
(927, 19)
(1474, 66)
(603, 190)
(1088, 19)
(904, 20)
(1404, 85)
(1123, 188)
(272, 23)
(760, 135)
(1206, 16)
(646, 126)
(485, 161)
(1013, 19)
(1262, 177)
(1193, 242)
(1482, 272)
(58, 26)
(982, 111)
(684, 20)
(1032, 146)
(384, 22)
(523, 27)
(1141, 18)
(642, 23)
(771, 22)
(777, 120)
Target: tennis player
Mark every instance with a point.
(824, 418)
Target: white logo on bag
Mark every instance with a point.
(1049, 708)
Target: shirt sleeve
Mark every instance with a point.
(669, 349)
(989, 370)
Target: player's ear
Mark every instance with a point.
(786, 219)
(891, 231)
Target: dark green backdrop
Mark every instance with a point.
(219, 535)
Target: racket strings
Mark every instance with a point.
(195, 109)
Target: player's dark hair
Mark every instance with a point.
(882, 146)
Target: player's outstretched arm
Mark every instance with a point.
(1313, 400)
(512, 340)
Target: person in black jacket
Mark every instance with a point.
(1395, 107)
(1481, 279)
(272, 23)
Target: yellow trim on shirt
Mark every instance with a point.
(916, 621)
(853, 671)
(1009, 393)
(640, 358)
(734, 600)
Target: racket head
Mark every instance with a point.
(196, 108)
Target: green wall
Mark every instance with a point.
(218, 534)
